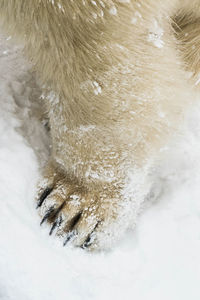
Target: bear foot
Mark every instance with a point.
(84, 218)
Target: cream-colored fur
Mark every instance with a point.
(116, 88)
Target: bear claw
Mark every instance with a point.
(43, 196)
(70, 235)
(56, 223)
(52, 213)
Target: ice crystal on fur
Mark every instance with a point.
(155, 35)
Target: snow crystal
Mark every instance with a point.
(102, 3)
(94, 2)
(113, 10)
(155, 35)
(61, 7)
(94, 15)
(97, 89)
(83, 128)
(75, 199)
(124, 1)
(133, 20)
(137, 14)
(198, 81)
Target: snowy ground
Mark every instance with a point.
(160, 260)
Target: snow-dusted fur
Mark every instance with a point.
(116, 87)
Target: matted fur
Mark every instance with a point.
(116, 88)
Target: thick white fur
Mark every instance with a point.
(116, 88)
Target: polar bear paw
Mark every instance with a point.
(85, 218)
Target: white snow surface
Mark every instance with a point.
(159, 260)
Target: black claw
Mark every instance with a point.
(70, 235)
(52, 213)
(44, 195)
(75, 220)
(53, 227)
(87, 242)
(48, 214)
(57, 223)
(90, 239)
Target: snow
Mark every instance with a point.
(113, 11)
(155, 35)
(160, 259)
